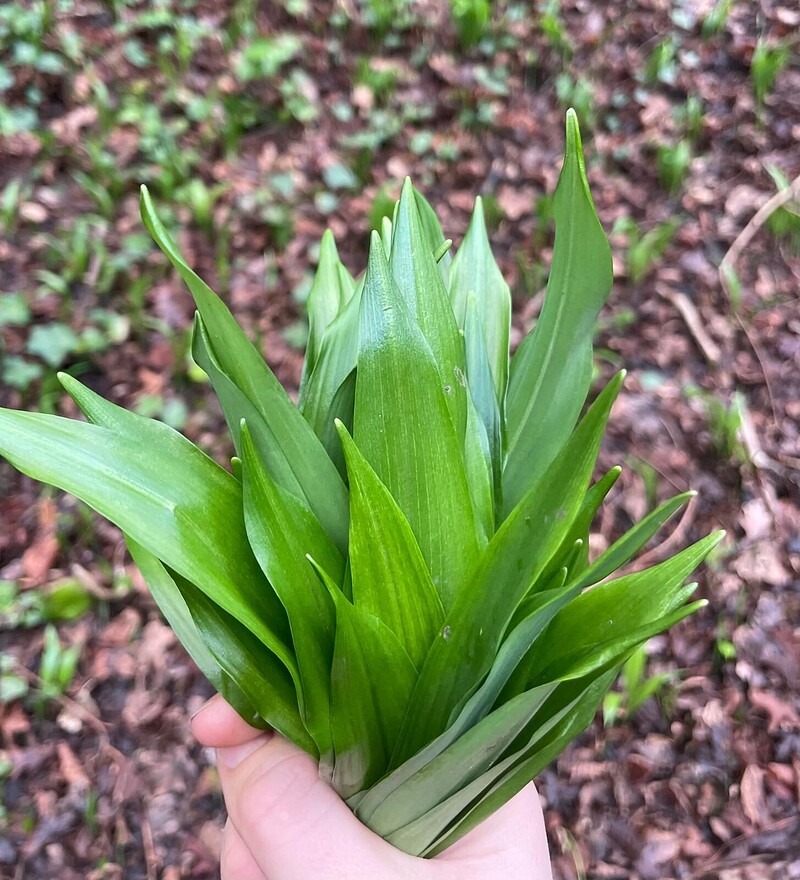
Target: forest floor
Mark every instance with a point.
(258, 125)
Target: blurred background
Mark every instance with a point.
(256, 125)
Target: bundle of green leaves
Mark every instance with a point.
(394, 573)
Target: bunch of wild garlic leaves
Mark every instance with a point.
(394, 572)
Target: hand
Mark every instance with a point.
(285, 823)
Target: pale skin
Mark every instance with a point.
(285, 823)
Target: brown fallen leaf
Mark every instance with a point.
(71, 768)
(782, 714)
(754, 801)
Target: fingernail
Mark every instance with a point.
(201, 709)
(232, 756)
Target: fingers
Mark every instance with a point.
(236, 863)
(512, 842)
(218, 725)
(296, 827)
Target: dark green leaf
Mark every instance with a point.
(159, 489)
(632, 541)
(419, 280)
(171, 602)
(332, 289)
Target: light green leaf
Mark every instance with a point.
(403, 428)
(478, 468)
(239, 360)
(433, 234)
(172, 605)
(474, 709)
(332, 289)
(552, 369)
(371, 682)
(512, 775)
(159, 489)
(474, 752)
(519, 550)
(482, 389)
(282, 532)
(475, 273)
(632, 541)
(612, 609)
(579, 531)
(321, 398)
(389, 576)
(419, 280)
(247, 664)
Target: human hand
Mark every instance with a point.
(285, 823)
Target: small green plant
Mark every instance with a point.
(689, 117)
(65, 599)
(673, 162)
(423, 510)
(725, 420)
(471, 18)
(57, 668)
(784, 222)
(635, 688)
(768, 60)
(662, 63)
(716, 20)
(644, 250)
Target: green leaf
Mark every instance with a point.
(371, 682)
(633, 540)
(612, 609)
(433, 234)
(237, 407)
(512, 561)
(482, 389)
(159, 489)
(403, 428)
(475, 273)
(389, 576)
(478, 469)
(172, 605)
(472, 753)
(552, 369)
(282, 532)
(513, 774)
(239, 360)
(579, 531)
(248, 669)
(321, 398)
(473, 710)
(419, 280)
(332, 289)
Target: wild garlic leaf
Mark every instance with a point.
(475, 273)
(390, 580)
(403, 427)
(552, 369)
(239, 360)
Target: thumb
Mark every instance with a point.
(295, 825)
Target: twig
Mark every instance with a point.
(688, 311)
(714, 861)
(756, 222)
(150, 858)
